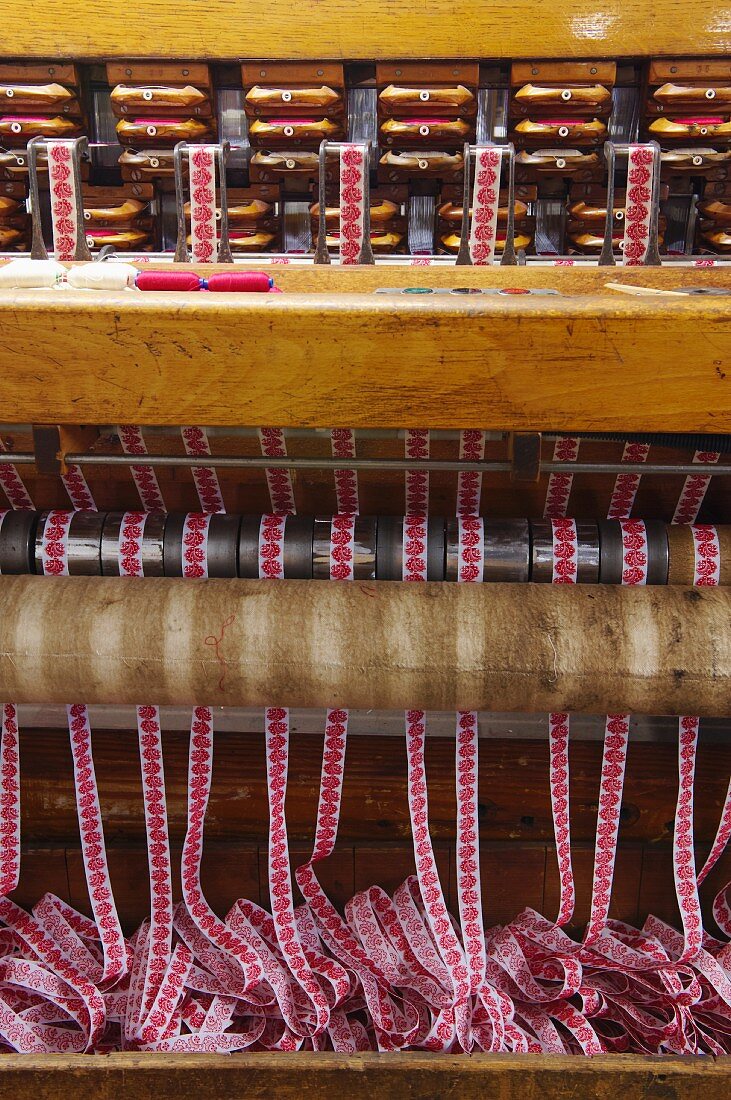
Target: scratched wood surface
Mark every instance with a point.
(360, 29)
(319, 1076)
(597, 362)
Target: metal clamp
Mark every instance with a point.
(322, 255)
(611, 151)
(79, 147)
(508, 258)
(221, 149)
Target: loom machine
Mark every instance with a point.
(365, 550)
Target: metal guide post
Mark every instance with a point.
(79, 147)
(322, 255)
(508, 258)
(221, 152)
(611, 151)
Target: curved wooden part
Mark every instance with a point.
(603, 361)
(389, 645)
(362, 1076)
(92, 29)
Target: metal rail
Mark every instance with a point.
(257, 462)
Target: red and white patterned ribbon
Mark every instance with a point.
(635, 555)
(353, 189)
(342, 548)
(203, 228)
(342, 443)
(565, 570)
(414, 543)
(279, 481)
(145, 478)
(416, 446)
(694, 489)
(565, 567)
(706, 555)
(271, 546)
(195, 441)
(55, 544)
(686, 882)
(62, 186)
(129, 544)
(565, 449)
(638, 208)
(78, 490)
(469, 482)
(614, 760)
(93, 848)
(485, 203)
(12, 484)
(195, 544)
(626, 485)
(3, 514)
(470, 548)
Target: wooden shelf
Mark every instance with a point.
(362, 1076)
(599, 361)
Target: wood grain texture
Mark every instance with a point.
(513, 788)
(589, 363)
(221, 29)
(319, 1076)
(441, 646)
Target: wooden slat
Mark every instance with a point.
(537, 364)
(363, 1076)
(514, 793)
(363, 29)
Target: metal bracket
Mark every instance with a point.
(79, 148)
(525, 456)
(611, 151)
(508, 258)
(222, 150)
(52, 442)
(322, 255)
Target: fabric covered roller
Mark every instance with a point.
(449, 647)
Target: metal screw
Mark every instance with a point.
(262, 72)
(592, 70)
(128, 72)
(534, 72)
(186, 72)
(397, 72)
(320, 72)
(673, 68)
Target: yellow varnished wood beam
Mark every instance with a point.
(362, 360)
(359, 29)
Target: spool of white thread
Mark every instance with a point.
(29, 274)
(101, 276)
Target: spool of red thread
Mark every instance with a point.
(168, 280)
(239, 282)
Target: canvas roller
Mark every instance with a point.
(389, 645)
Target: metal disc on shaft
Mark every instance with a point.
(542, 552)
(390, 548)
(84, 543)
(152, 544)
(17, 542)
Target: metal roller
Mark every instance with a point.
(223, 545)
(542, 552)
(297, 550)
(17, 542)
(390, 548)
(506, 550)
(152, 544)
(364, 549)
(84, 543)
(610, 541)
